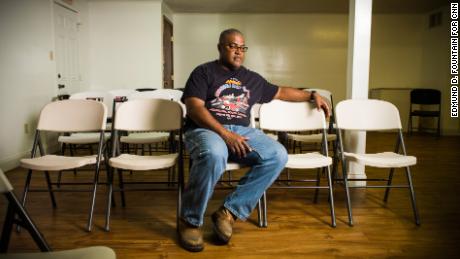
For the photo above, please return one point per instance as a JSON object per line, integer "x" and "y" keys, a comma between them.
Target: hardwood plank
{"x": 298, "y": 228}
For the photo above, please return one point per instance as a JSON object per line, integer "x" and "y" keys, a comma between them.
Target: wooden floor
{"x": 298, "y": 228}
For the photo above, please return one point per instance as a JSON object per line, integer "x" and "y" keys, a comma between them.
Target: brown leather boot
{"x": 190, "y": 237}
{"x": 223, "y": 221}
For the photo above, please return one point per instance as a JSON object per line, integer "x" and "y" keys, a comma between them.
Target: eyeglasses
{"x": 234, "y": 47}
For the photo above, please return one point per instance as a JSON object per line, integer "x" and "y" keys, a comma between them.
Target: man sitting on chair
{"x": 218, "y": 96}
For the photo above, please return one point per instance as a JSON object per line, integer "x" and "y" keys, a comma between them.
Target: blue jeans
{"x": 210, "y": 154}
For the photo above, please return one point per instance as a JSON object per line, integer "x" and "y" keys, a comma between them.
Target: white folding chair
{"x": 149, "y": 138}
{"x": 67, "y": 116}
{"x": 16, "y": 214}
{"x": 299, "y": 139}
{"x": 73, "y": 140}
{"x": 87, "y": 138}
{"x": 281, "y": 116}
{"x": 374, "y": 115}
{"x": 145, "y": 115}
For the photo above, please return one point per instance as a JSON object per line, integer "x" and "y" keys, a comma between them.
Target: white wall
{"x": 166, "y": 11}
{"x": 305, "y": 50}
{"x": 310, "y": 50}
{"x": 27, "y": 73}
{"x": 125, "y": 46}
{"x": 295, "y": 50}
{"x": 396, "y": 58}
{"x": 407, "y": 54}
{"x": 121, "y": 47}
{"x": 435, "y": 68}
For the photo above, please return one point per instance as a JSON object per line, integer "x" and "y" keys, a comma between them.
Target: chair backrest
{"x": 166, "y": 94}
{"x": 280, "y": 115}
{"x": 101, "y": 96}
{"x": 73, "y": 116}
{"x": 122, "y": 92}
{"x": 327, "y": 95}
{"x": 5, "y": 185}
{"x": 255, "y": 115}
{"x": 149, "y": 115}
{"x": 367, "y": 115}
{"x": 324, "y": 93}
{"x": 425, "y": 96}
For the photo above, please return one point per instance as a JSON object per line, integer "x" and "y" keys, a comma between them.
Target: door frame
{"x": 166, "y": 80}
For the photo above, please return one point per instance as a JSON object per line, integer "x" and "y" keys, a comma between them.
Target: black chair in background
{"x": 425, "y": 97}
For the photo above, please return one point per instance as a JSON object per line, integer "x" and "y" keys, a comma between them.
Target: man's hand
{"x": 201, "y": 116}
{"x": 236, "y": 143}
{"x": 290, "y": 94}
{"x": 322, "y": 104}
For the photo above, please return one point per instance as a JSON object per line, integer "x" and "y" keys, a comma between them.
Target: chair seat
{"x": 425, "y": 113}
{"x": 82, "y": 138}
{"x": 57, "y": 163}
{"x": 145, "y": 137}
{"x": 311, "y": 138}
{"x": 307, "y": 161}
{"x": 234, "y": 166}
{"x": 95, "y": 252}
{"x": 134, "y": 162}
{"x": 385, "y": 159}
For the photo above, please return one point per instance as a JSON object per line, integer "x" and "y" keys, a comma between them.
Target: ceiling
{"x": 299, "y": 6}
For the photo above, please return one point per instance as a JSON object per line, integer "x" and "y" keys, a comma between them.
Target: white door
{"x": 66, "y": 50}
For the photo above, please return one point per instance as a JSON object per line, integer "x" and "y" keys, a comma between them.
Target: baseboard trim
{"x": 12, "y": 162}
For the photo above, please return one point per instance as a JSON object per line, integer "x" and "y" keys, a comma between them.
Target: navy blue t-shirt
{"x": 228, "y": 95}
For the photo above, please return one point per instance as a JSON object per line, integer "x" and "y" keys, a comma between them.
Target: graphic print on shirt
{"x": 232, "y": 100}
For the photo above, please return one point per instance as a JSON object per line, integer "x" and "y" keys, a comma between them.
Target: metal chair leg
{"x": 50, "y": 189}
{"x": 259, "y": 213}
{"x": 331, "y": 197}
{"x": 264, "y": 199}
{"x": 387, "y": 191}
{"x": 121, "y": 185}
{"x": 412, "y": 194}
{"x": 24, "y": 194}
{"x": 229, "y": 174}
{"x": 335, "y": 161}
{"x": 72, "y": 149}
{"x": 439, "y": 126}
{"x": 173, "y": 175}
{"x": 59, "y": 179}
{"x": 318, "y": 180}
{"x": 14, "y": 208}
{"x": 288, "y": 177}
{"x": 93, "y": 201}
{"x": 7, "y": 228}
{"x": 109, "y": 198}
{"x": 60, "y": 172}
{"x": 347, "y": 193}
